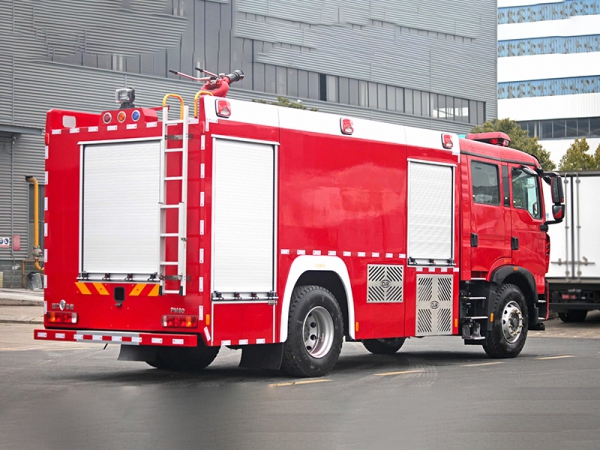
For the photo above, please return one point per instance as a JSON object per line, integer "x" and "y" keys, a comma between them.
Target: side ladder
{"x": 167, "y": 203}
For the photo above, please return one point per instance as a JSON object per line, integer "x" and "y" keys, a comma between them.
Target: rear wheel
{"x": 509, "y": 329}
{"x": 387, "y": 346}
{"x": 573, "y": 315}
{"x": 315, "y": 333}
{"x": 184, "y": 358}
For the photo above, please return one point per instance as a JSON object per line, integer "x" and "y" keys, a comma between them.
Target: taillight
{"x": 180, "y": 321}
{"x": 61, "y": 317}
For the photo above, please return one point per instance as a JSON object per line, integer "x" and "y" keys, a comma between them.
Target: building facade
{"x": 421, "y": 63}
{"x": 549, "y": 70}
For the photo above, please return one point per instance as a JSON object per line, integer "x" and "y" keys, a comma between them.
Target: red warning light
{"x": 223, "y": 108}
{"x": 346, "y": 126}
{"x": 447, "y": 141}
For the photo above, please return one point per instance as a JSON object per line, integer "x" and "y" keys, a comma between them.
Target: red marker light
{"x": 107, "y": 118}
{"x": 61, "y": 317}
{"x": 176, "y": 321}
{"x": 223, "y": 108}
{"x": 346, "y": 126}
{"x": 447, "y": 141}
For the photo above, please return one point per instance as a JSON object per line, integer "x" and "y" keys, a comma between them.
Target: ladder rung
{"x": 169, "y": 206}
{"x": 476, "y": 317}
{"x": 173, "y": 150}
{"x": 169, "y": 235}
{"x": 474, "y": 298}
{"x": 169, "y": 263}
{"x": 170, "y": 292}
{"x": 173, "y": 178}
{"x": 174, "y": 122}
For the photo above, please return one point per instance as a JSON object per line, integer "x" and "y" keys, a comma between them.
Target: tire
{"x": 315, "y": 333}
{"x": 573, "y": 315}
{"x": 509, "y": 330}
{"x": 184, "y": 359}
{"x": 383, "y": 346}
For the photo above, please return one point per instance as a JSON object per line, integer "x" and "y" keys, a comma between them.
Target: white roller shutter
{"x": 243, "y": 217}
{"x": 120, "y": 212}
{"x": 430, "y": 212}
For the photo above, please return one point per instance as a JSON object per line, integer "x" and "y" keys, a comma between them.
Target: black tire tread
{"x": 383, "y": 346}
{"x": 290, "y": 363}
{"x": 573, "y": 315}
{"x": 493, "y": 345}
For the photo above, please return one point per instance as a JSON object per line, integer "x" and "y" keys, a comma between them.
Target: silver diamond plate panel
{"x": 385, "y": 283}
{"x": 434, "y": 304}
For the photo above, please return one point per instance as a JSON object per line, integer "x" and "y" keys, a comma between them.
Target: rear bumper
{"x": 117, "y": 337}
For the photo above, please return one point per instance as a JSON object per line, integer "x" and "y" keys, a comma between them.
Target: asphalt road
{"x": 435, "y": 393}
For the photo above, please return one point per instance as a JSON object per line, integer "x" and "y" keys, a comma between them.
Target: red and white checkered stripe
{"x": 107, "y": 337}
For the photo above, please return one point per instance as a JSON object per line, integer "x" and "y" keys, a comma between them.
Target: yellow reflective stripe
{"x": 100, "y": 288}
{"x": 137, "y": 290}
{"x": 82, "y": 288}
{"x": 154, "y": 291}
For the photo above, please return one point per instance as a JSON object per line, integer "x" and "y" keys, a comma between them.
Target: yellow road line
{"x": 556, "y": 357}
{"x": 404, "y": 372}
{"x": 292, "y": 383}
{"x": 482, "y": 364}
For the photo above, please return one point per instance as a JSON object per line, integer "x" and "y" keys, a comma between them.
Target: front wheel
{"x": 573, "y": 315}
{"x": 509, "y": 329}
{"x": 387, "y": 346}
{"x": 315, "y": 333}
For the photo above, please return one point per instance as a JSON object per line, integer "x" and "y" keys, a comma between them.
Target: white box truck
{"x": 574, "y": 273}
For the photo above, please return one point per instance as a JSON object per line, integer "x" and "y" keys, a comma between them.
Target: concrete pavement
{"x": 21, "y": 306}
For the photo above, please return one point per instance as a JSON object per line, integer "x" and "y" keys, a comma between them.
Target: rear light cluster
{"x": 569, "y": 296}
{"x": 61, "y": 317}
{"x": 179, "y": 321}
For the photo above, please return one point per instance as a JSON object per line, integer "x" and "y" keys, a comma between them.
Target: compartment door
{"x": 243, "y": 249}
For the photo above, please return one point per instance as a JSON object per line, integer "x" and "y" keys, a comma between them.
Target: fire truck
{"x": 173, "y": 231}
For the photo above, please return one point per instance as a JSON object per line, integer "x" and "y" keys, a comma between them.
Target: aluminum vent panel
{"x": 434, "y": 304}
{"x": 385, "y": 283}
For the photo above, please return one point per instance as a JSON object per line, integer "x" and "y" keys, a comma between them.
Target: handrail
{"x": 197, "y": 101}
{"x": 180, "y": 102}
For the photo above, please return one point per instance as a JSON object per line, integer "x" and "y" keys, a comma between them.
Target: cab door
{"x": 528, "y": 241}
{"x": 490, "y": 218}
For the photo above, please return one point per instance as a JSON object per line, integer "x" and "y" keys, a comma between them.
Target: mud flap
{"x": 267, "y": 356}
{"x": 137, "y": 353}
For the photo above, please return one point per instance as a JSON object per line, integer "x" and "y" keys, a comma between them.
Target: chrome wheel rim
{"x": 512, "y": 322}
{"x": 318, "y": 331}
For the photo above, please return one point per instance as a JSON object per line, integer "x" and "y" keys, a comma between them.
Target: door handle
{"x": 514, "y": 243}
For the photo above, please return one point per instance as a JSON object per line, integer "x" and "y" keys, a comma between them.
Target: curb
{"x": 12, "y": 302}
{"x": 17, "y": 321}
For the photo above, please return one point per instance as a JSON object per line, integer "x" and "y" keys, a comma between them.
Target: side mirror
{"x": 558, "y": 211}
{"x": 556, "y": 187}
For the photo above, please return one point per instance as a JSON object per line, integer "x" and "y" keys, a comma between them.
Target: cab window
{"x": 486, "y": 187}
{"x": 526, "y": 193}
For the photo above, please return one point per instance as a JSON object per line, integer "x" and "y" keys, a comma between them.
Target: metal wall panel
{"x": 72, "y": 55}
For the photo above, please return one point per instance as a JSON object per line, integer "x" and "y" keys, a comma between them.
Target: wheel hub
{"x": 512, "y": 322}
{"x": 318, "y": 332}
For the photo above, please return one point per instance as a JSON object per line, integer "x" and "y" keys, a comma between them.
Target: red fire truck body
{"x": 282, "y": 232}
